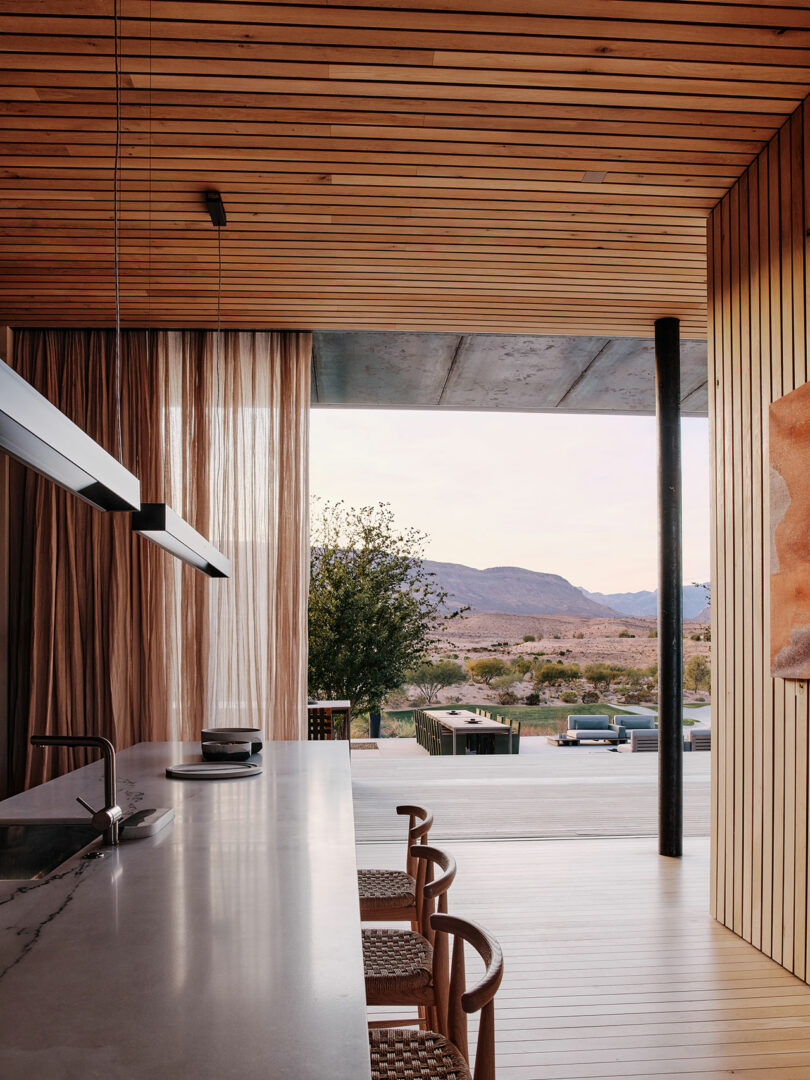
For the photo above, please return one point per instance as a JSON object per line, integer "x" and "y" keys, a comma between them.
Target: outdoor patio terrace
{"x": 544, "y": 792}
{"x": 613, "y": 965}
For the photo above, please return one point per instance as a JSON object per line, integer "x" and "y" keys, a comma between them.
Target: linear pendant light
{"x": 159, "y": 523}
{"x": 36, "y": 433}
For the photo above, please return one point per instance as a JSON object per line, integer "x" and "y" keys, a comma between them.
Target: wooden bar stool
{"x": 390, "y": 895}
{"x": 405, "y": 1054}
{"x": 409, "y": 967}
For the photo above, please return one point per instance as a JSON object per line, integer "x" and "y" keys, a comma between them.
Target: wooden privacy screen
{"x": 542, "y": 167}
{"x": 758, "y": 351}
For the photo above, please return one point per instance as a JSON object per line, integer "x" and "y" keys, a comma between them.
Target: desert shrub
{"x": 522, "y": 665}
{"x": 590, "y": 697}
{"x": 697, "y": 675}
{"x": 487, "y": 669}
{"x": 625, "y": 633}
{"x": 578, "y": 635}
{"x": 533, "y": 698}
{"x": 569, "y": 697}
{"x": 507, "y": 697}
{"x": 529, "y": 637}
{"x": 556, "y": 637}
{"x": 652, "y": 633}
{"x": 598, "y": 674}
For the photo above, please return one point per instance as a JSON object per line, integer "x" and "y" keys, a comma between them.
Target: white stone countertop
{"x": 227, "y": 945}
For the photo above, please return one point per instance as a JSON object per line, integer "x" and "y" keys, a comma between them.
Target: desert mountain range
{"x": 517, "y": 591}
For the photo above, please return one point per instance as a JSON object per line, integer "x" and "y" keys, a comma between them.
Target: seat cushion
{"x": 581, "y": 734}
{"x": 382, "y": 889}
{"x": 636, "y": 723}
{"x": 403, "y": 1054}
{"x": 395, "y": 961}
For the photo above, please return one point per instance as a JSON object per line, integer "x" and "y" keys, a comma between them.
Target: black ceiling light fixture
{"x": 36, "y": 433}
{"x": 216, "y": 208}
{"x": 159, "y": 523}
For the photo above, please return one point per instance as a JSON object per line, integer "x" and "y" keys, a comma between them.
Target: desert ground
{"x": 574, "y": 640}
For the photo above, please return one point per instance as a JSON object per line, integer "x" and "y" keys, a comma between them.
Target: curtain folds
{"x": 108, "y": 633}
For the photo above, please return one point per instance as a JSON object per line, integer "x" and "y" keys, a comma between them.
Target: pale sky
{"x": 563, "y": 494}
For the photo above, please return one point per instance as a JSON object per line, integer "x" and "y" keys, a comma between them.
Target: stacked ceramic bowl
{"x": 230, "y": 744}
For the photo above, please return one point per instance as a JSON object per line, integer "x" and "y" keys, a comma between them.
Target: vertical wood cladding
{"x": 758, "y": 350}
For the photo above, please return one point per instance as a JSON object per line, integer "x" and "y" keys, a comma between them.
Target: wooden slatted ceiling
{"x": 544, "y": 169}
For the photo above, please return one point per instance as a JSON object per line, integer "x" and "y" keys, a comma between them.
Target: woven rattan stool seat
{"x": 401, "y": 1054}
{"x": 381, "y": 889}
{"x": 395, "y": 961}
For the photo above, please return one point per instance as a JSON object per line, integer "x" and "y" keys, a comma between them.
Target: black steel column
{"x": 670, "y": 582}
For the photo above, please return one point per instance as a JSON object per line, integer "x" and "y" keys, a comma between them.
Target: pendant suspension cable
{"x": 149, "y": 210}
{"x": 219, "y": 278}
{"x": 219, "y": 415}
{"x": 115, "y": 228}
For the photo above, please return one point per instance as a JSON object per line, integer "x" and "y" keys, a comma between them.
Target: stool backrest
{"x": 431, "y": 892}
{"x": 460, "y": 1000}
{"x": 420, "y": 822}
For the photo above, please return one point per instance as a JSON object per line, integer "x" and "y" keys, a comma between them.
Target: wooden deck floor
{"x": 614, "y": 968}
{"x": 613, "y": 965}
{"x": 563, "y": 793}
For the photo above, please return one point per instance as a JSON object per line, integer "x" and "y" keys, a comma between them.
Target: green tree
{"x": 697, "y": 674}
{"x": 487, "y": 669}
{"x": 372, "y": 605}
{"x": 430, "y": 678}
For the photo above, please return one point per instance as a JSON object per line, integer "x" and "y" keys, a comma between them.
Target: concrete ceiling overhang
{"x": 512, "y": 372}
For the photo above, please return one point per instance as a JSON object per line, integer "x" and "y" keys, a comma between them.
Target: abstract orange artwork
{"x": 790, "y": 535}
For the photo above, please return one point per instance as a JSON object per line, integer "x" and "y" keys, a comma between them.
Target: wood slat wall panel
{"x": 757, "y": 352}
{"x": 527, "y": 166}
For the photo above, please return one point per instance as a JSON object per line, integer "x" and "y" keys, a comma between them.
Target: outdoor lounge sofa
{"x": 625, "y": 724}
{"x": 595, "y": 728}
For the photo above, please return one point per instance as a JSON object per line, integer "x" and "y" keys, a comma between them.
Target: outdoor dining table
{"x": 469, "y": 723}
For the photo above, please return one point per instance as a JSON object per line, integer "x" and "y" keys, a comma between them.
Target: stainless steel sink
{"x": 32, "y": 850}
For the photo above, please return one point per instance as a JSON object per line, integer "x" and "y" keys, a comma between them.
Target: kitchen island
{"x": 227, "y": 945}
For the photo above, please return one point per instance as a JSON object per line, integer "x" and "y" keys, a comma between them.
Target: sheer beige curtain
{"x": 108, "y": 633}
{"x": 239, "y": 471}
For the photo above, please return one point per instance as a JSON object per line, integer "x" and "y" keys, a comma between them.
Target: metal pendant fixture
{"x": 159, "y": 523}
{"x": 39, "y": 435}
